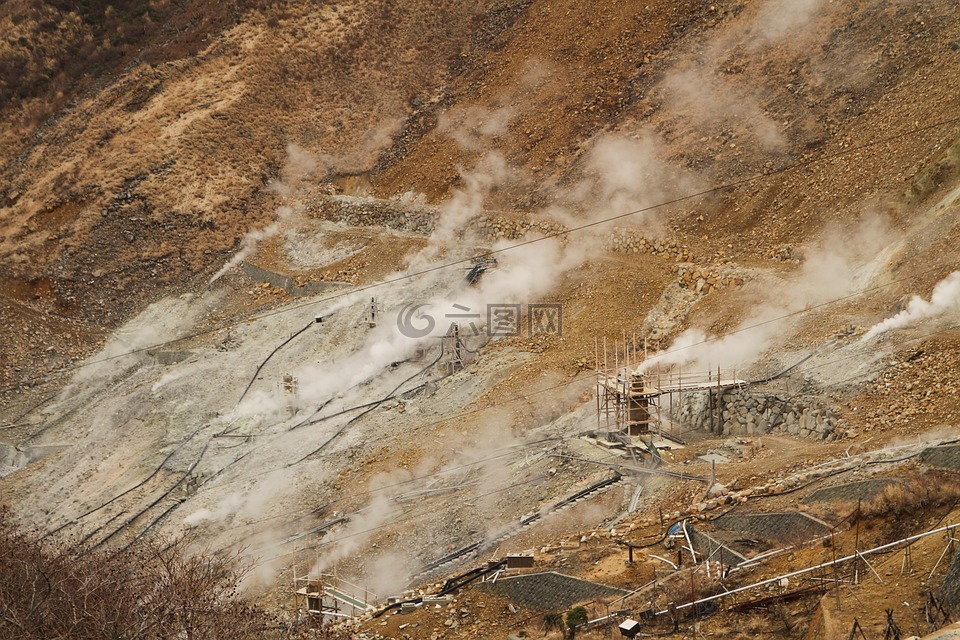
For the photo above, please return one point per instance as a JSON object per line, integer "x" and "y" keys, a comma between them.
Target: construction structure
{"x": 479, "y": 265}
{"x": 331, "y": 598}
{"x": 638, "y": 395}
{"x": 290, "y": 394}
{"x": 454, "y": 349}
{"x": 372, "y": 314}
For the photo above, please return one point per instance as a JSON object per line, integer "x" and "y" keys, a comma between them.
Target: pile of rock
{"x": 736, "y": 411}
{"x": 634, "y": 241}
{"x": 919, "y": 387}
{"x": 705, "y": 279}
{"x": 786, "y": 253}
{"x": 369, "y": 211}
{"x": 498, "y": 227}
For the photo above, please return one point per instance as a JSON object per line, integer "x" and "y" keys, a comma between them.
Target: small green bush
{"x": 576, "y": 617}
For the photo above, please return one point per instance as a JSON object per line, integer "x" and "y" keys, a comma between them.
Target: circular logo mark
{"x": 409, "y": 316}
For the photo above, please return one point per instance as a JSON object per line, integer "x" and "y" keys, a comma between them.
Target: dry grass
{"x": 918, "y": 490}
{"x": 750, "y": 626}
{"x": 913, "y": 490}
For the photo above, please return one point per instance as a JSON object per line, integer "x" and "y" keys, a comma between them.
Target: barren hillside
{"x": 224, "y": 225}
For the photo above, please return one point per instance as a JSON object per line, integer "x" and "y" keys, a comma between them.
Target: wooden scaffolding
{"x": 637, "y": 395}
{"x": 327, "y": 596}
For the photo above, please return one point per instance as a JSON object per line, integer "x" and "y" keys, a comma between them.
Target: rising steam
{"x": 252, "y": 240}
{"x": 945, "y": 297}
{"x": 844, "y": 263}
{"x": 301, "y": 166}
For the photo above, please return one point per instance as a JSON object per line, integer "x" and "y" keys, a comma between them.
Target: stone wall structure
{"x": 741, "y": 411}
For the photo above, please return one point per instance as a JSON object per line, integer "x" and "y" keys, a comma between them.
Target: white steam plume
{"x": 252, "y": 240}
{"x": 945, "y": 297}
{"x": 706, "y": 98}
{"x": 843, "y": 264}
{"x": 490, "y": 172}
{"x": 783, "y": 19}
{"x": 227, "y": 507}
{"x": 160, "y": 322}
{"x": 715, "y": 104}
{"x": 365, "y": 152}
{"x": 299, "y": 168}
{"x": 364, "y": 524}
{"x": 472, "y": 127}
{"x": 621, "y": 173}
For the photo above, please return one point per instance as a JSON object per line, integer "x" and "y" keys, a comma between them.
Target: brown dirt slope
{"x": 154, "y": 159}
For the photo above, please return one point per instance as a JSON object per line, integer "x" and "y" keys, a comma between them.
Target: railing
{"x": 624, "y": 380}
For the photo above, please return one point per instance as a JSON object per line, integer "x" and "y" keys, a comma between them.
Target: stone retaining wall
{"x": 944, "y": 457}
{"x": 494, "y": 227}
{"x": 950, "y": 591}
{"x": 738, "y": 411}
{"x": 626, "y": 240}
{"x": 775, "y": 528}
{"x": 703, "y": 279}
{"x": 363, "y": 212}
{"x": 865, "y": 490}
{"x": 550, "y": 591}
{"x": 420, "y": 218}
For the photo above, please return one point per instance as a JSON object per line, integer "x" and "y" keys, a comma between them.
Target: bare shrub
{"x": 53, "y": 588}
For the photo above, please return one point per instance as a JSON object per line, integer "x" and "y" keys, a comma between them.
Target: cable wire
{"x": 565, "y": 232}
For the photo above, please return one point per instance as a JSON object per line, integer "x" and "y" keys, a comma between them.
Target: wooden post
{"x": 723, "y": 575}
{"x": 616, "y": 373}
{"x": 907, "y": 565}
{"x": 596, "y": 367}
{"x": 659, "y": 403}
{"x": 679, "y": 394}
{"x": 719, "y": 403}
{"x": 693, "y": 594}
{"x": 856, "y": 547}
{"x": 670, "y": 410}
{"x": 627, "y": 357}
{"x": 836, "y": 570}
{"x": 710, "y": 408}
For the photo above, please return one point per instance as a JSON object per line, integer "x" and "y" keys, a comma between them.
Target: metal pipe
{"x": 693, "y": 552}
{"x": 663, "y": 560}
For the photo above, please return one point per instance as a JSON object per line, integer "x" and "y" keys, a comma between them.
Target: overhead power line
{"x": 565, "y": 232}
